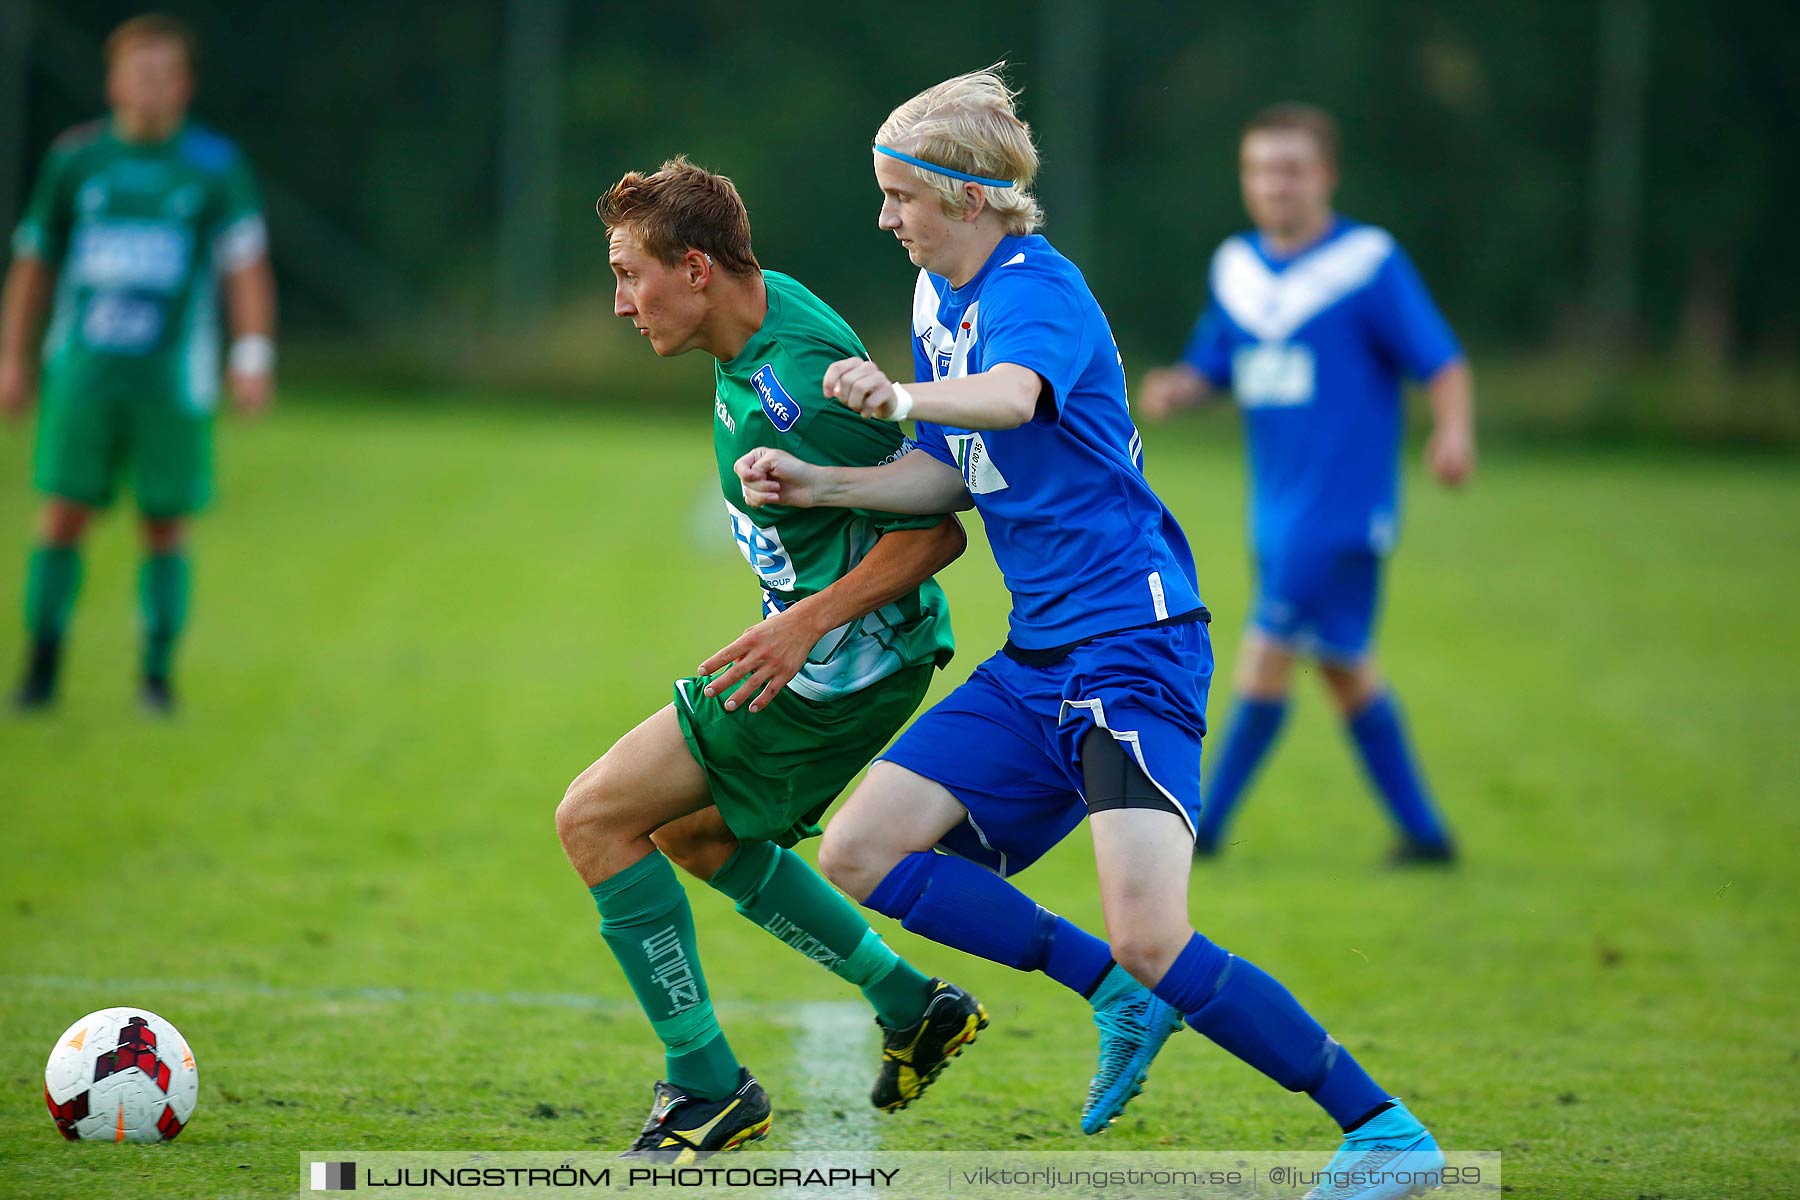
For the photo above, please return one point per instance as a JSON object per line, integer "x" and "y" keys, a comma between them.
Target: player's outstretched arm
{"x": 250, "y": 305}
{"x": 1450, "y": 453}
{"x": 27, "y": 295}
{"x": 1005, "y": 396}
{"x": 913, "y": 483}
{"x": 771, "y": 652}
{"x": 1164, "y": 390}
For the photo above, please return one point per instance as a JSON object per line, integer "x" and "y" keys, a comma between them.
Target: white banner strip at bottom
{"x": 890, "y": 1175}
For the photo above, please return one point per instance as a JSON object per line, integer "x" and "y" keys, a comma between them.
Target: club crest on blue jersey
{"x": 939, "y": 348}
{"x": 782, "y": 408}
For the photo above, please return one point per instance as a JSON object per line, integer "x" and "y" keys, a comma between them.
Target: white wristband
{"x": 252, "y": 354}
{"x": 903, "y": 403}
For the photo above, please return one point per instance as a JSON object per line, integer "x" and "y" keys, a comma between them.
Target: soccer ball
{"x": 121, "y": 1075}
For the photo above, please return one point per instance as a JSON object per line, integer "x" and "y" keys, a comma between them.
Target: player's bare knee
{"x": 698, "y": 850}
{"x": 1146, "y": 935}
{"x": 1265, "y": 668}
{"x": 851, "y": 863}
{"x": 569, "y": 817}
{"x": 1353, "y": 685}
{"x": 64, "y": 522}
{"x": 584, "y": 815}
{"x": 1145, "y": 953}
{"x": 163, "y": 535}
{"x": 837, "y": 859}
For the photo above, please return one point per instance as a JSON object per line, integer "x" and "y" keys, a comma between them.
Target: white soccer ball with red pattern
{"x": 121, "y": 1075}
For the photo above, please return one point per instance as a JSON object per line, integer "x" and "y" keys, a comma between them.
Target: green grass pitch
{"x": 338, "y": 874}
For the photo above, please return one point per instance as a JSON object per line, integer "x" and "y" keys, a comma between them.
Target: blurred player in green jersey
{"x": 774, "y": 726}
{"x": 134, "y": 221}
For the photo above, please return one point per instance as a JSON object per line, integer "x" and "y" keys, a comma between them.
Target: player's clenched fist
{"x": 862, "y": 387}
{"x": 1164, "y": 390}
{"x": 252, "y": 392}
{"x": 773, "y": 476}
{"x": 1450, "y": 455}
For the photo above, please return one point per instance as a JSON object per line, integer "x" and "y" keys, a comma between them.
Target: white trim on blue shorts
{"x": 981, "y": 836}
{"x": 1127, "y": 737}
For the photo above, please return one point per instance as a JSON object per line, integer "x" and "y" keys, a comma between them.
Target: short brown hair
{"x": 1305, "y": 118}
{"x": 680, "y": 208}
{"x": 152, "y": 27}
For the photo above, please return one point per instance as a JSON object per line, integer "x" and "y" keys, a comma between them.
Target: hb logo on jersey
{"x": 762, "y": 549}
{"x": 149, "y": 255}
{"x": 781, "y": 407}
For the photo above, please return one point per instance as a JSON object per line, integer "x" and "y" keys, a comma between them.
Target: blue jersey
{"x": 1315, "y": 347}
{"x": 1084, "y": 545}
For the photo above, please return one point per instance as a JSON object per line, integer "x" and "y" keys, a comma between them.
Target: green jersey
{"x": 772, "y": 394}
{"x": 138, "y": 233}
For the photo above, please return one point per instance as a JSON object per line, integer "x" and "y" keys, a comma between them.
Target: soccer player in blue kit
{"x": 1095, "y": 705}
{"x": 1313, "y": 322}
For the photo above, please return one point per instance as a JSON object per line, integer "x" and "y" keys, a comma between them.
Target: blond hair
{"x": 970, "y": 124}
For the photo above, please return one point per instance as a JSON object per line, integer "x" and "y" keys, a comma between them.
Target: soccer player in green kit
{"x": 131, "y": 223}
{"x": 775, "y": 725}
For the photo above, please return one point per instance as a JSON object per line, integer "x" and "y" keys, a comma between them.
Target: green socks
{"x": 645, "y": 919}
{"x": 52, "y": 578}
{"x": 163, "y": 600}
{"x": 780, "y": 893}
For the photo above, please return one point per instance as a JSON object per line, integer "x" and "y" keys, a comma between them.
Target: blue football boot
{"x": 1133, "y": 1027}
{"x": 1388, "y": 1157}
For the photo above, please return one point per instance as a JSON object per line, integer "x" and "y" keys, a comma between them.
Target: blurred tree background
{"x": 1596, "y": 191}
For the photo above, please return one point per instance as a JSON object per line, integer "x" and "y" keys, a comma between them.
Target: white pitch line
{"x": 835, "y": 1050}
{"x": 784, "y": 1014}
{"x": 836, "y": 1053}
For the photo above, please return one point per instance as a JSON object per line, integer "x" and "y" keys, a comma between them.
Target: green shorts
{"x": 774, "y": 773}
{"x": 93, "y": 430}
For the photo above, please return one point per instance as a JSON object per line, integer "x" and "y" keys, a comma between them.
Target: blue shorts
{"x": 1321, "y": 602}
{"x": 1007, "y": 743}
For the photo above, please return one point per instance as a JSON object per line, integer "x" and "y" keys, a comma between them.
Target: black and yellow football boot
{"x": 913, "y": 1057}
{"x": 682, "y": 1129}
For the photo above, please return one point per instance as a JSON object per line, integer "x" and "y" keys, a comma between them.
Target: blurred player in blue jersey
{"x": 1095, "y": 706}
{"x": 1313, "y": 322}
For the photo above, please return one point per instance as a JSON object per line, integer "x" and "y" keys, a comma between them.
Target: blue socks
{"x": 1380, "y": 737}
{"x": 1254, "y": 725}
{"x": 934, "y": 896}
{"x": 1230, "y": 1000}
{"x": 1379, "y": 734}
{"x": 1247, "y": 1012}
